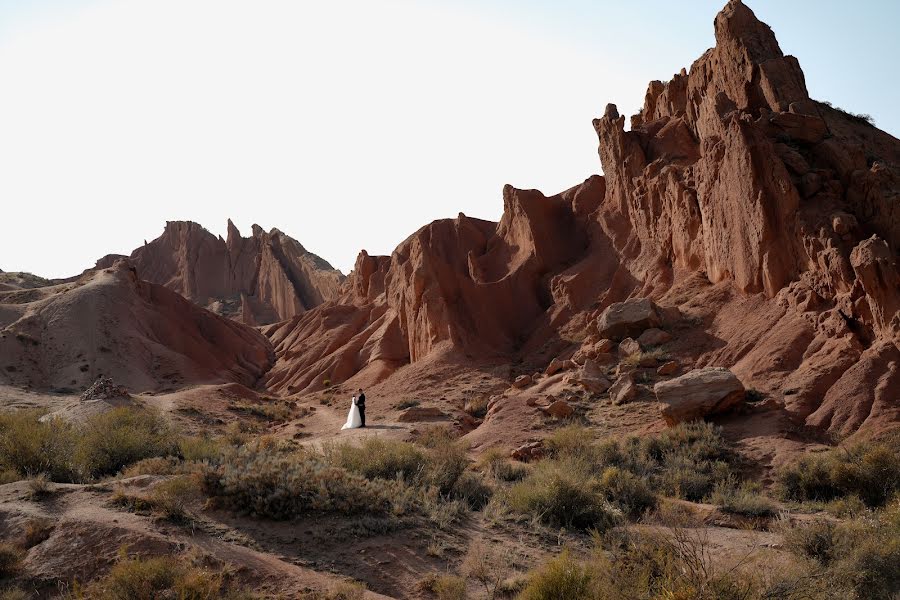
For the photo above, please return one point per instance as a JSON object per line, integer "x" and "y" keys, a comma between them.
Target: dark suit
{"x": 361, "y": 405}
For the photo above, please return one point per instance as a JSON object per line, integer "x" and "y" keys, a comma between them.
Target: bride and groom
{"x": 357, "y": 416}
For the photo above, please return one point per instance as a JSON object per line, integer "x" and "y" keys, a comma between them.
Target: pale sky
{"x": 347, "y": 124}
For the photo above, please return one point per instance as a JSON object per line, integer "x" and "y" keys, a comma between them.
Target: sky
{"x": 347, "y": 124}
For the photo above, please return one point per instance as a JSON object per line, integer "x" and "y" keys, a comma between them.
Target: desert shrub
{"x": 818, "y": 540}
{"x": 575, "y": 441}
{"x": 39, "y": 486}
{"x": 487, "y": 566}
{"x": 110, "y": 441}
{"x": 870, "y": 471}
{"x": 446, "y": 463}
{"x": 343, "y": 591}
{"x": 161, "y": 577}
{"x": 627, "y": 491}
{"x": 496, "y": 463}
{"x": 473, "y": 490}
{"x": 279, "y": 485}
{"x": 847, "y": 507}
{"x": 562, "y": 578}
{"x": 476, "y": 407}
{"x": 435, "y": 436}
{"x": 9, "y": 476}
{"x": 14, "y": 593}
{"x": 377, "y": 458}
{"x": 152, "y": 466}
{"x": 444, "y": 586}
{"x": 29, "y": 446}
{"x": 200, "y": 448}
{"x": 36, "y": 531}
{"x": 563, "y": 493}
{"x": 10, "y": 557}
{"x": 171, "y": 498}
{"x": 743, "y": 499}
{"x": 404, "y": 404}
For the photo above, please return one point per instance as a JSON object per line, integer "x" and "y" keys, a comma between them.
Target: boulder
{"x": 698, "y": 393}
{"x": 559, "y": 409}
{"x": 421, "y": 413}
{"x": 667, "y": 368}
{"x": 654, "y": 337}
{"x": 629, "y": 318}
{"x": 556, "y": 365}
{"x": 591, "y": 377}
{"x": 628, "y": 346}
{"x": 624, "y": 389}
{"x": 522, "y": 382}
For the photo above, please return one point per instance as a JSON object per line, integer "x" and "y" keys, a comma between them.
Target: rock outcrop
{"x": 266, "y": 278}
{"x": 733, "y": 194}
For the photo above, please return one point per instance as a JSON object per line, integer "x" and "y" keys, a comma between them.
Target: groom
{"x": 361, "y": 405}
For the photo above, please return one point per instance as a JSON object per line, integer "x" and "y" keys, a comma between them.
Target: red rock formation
{"x": 265, "y": 278}
{"x": 111, "y": 323}
{"x": 733, "y": 195}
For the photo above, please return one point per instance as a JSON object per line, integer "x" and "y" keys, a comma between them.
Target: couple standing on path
{"x": 357, "y": 416}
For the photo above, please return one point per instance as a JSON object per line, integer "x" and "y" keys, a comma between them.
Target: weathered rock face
{"x": 262, "y": 279}
{"x": 697, "y": 394}
{"x": 731, "y": 179}
{"x": 110, "y": 323}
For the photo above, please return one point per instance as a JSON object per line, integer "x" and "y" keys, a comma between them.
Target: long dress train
{"x": 353, "y": 418}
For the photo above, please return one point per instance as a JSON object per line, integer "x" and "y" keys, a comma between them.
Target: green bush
{"x": 743, "y": 499}
{"x": 563, "y": 493}
{"x": 115, "y": 439}
{"x": 103, "y": 445}
{"x": 378, "y": 458}
{"x": 563, "y": 578}
{"x": 30, "y": 447}
{"x": 870, "y": 471}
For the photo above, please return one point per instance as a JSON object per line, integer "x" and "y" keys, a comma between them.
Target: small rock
{"x": 556, "y": 365}
{"x": 667, "y": 368}
{"x": 559, "y": 409}
{"x": 623, "y": 390}
{"x": 628, "y": 346}
{"x": 654, "y": 337}
{"x": 647, "y": 362}
{"x": 421, "y": 413}
{"x": 522, "y": 382}
{"x": 529, "y": 452}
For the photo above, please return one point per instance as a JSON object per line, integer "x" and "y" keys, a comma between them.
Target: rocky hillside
{"x": 766, "y": 219}
{"x": 111, "y": 323}
{"x": 265, "y": 278}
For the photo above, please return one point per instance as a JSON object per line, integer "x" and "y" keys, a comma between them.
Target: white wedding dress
{"x": 353, "y": 420}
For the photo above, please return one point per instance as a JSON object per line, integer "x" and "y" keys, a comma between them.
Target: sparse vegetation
{"x": 496, "y": 463}
{"x": 561, "y": 578}
{"x": 10, "y": 557}
{"x": 37, "y": 530}
{"x": 477, "y": 406}
{"x": 863, "y": 118}
{"x": 745, "y": 499}
{"x": 868, "y": 471}
{"x": 161, "y": 577}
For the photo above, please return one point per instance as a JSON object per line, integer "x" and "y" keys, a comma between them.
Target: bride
{"x": 353, "y": 420}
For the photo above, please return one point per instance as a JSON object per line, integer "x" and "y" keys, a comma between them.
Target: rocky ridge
{"x": 765, "y": 218}
{"x": 262, "y": 279}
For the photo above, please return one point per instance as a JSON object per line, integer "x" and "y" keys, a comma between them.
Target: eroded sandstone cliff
{"x": 733, "y": 195}
{"x": 265, "y": 278}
